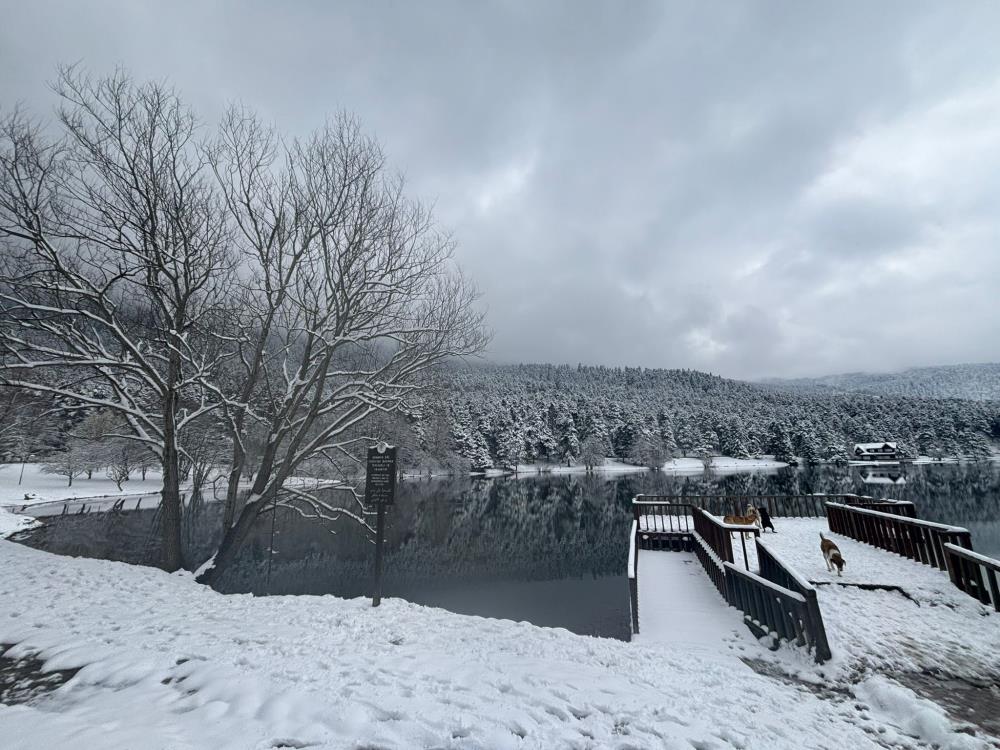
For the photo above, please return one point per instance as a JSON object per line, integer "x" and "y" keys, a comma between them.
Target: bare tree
{"x": 286, "y": 292}
{"x": 114, "y": 247}
{"x": 648, "y": 451}
{"x": 27, "y": 425}
{"x": 350, "y": 297}
{"x": 592, "y": 452}
{"x": 66, "y": 463}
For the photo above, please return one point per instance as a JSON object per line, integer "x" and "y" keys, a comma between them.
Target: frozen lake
{"x": 547, "y": 549}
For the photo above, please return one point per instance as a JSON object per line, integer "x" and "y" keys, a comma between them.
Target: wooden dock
{"x": 762, "y": 579}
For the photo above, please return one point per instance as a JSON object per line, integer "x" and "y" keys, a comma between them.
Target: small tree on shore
{"x": 66, "y": 463}
{"x": 592, "y": 452}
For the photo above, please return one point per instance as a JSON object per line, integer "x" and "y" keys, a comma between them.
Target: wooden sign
{"x": 380, "y": 475}
{"x": 380, "y": 489}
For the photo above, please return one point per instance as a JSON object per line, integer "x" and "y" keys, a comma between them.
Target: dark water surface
{"x": 548, "y": 549}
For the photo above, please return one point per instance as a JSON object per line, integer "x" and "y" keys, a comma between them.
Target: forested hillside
{"x": 978, "y": 382}
{"x": 500, "y": 416}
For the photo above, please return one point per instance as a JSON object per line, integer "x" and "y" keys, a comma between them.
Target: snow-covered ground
{"x": 34, "y": 487}
{"x": 721, "y": 464}
{"x": 40, "y": 487}
{"x": 12, "y": 522}
{"x": 166, "y": 663}
{"x": 610, "y": 466}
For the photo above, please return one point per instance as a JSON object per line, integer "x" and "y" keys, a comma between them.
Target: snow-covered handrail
{"x": 789, "y": 506}
{"x": 712, "y": 556}
{"x": 973, "y": 573}
{"x": 892, "y": 516}
{"x": 916, "y": 539}
{"x": 780, "y": 590}
{"x": 968, "y": 554}
{"x": 637, "y": 501}
{"x": 738, "y": 527}
{"x": 769, "y": 609}
{"x": 785, "y": 569}
{"x": 631, "y": 549}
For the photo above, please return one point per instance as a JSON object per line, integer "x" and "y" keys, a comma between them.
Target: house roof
{"x": 874, "y": 446}
{"x": 872, "y": 479}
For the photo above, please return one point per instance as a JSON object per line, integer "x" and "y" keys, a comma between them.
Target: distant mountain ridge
{"x": 976, "y": 382}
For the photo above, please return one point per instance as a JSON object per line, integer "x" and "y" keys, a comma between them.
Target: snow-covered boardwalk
{"x": 921, "y": 620}
{"x": 890, "y": 621}
{"x": 678, "y": 605}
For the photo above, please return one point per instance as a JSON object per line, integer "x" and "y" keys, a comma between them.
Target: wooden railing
{"x": 633, "y": 575}
{"x": 660, "y": 516}
{"x": 718, "y": 535}
{"x": 769, "y": 609}
{"x": 974, "y": 574}
{"x": 86, "y": 505}
{"x": 789, "y": 506}
{"x": 714, "y": 566}
{"x": 910, "y": 537}
{"x": 805, "y": 621}
{"x": 893, "y": 507}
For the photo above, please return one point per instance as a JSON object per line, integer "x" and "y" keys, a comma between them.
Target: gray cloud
{"x": 755, "y": 188}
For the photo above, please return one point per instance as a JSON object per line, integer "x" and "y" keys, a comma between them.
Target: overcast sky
{"x": 754, "y": 189}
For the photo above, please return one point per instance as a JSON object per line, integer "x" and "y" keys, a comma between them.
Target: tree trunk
{"x": 232, "y": 540}
{"x": 171, "y": 511}
{"x": 171, "y": 495}
{"x": 233, "y": 486}
{"x": 234, "y": 535}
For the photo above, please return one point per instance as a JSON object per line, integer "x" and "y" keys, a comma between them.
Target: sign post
{"x": 380, "y": 488}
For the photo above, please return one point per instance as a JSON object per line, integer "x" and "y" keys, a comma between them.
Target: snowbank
{"x": 11, "y": 522}
{"x": 167, "y": 663}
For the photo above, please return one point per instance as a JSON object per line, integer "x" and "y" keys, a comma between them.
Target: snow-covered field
{"x": 34, "y": 487}
{"x": 166, "y": 663}
{"x": 610, "y": 466}
{"x": 721, "y": 464}
{"x": 40, "y": 487}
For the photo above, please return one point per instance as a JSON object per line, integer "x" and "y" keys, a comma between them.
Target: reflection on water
{"x": 546, "y": 549}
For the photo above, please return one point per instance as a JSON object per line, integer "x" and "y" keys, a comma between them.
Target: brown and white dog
{"x": 831, "y": 553}
{"x": 751, "y": 518}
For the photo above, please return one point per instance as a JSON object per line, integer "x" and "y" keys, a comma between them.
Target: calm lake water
{"x": 548, "y": 549}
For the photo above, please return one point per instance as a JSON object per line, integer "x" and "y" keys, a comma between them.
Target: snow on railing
{"x": 973, "y": 573}
{"x": 895, "y": 516}
{"x": 800, "y": 583}
{"x": 760, "y": 580}
{"x": 633, "y": 575}
{"x": 914, "y": 538}
{"x": 768, "y": 607}
{"x": 631, "y": 549}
